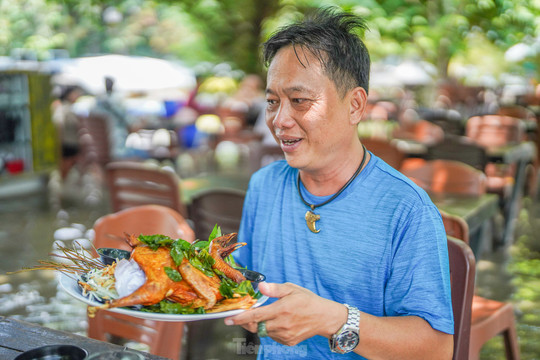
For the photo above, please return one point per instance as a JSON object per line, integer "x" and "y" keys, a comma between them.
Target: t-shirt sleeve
{"x": 419, "y": 282}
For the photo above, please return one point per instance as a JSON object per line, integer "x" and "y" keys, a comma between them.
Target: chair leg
{"x": 494, "y": 319}
{"x": 511, "y": 345}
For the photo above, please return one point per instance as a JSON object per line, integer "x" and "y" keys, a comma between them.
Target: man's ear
{"x": 358, "y": 104}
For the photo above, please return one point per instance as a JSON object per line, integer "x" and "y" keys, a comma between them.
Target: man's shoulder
{"x": 393, "y": 182}
{"x": 271, "y": 174}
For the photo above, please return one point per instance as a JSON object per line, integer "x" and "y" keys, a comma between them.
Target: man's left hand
{"x": 298, "y": 314}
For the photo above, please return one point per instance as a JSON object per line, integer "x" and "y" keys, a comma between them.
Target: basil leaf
{"x": 197, "y": 263}
{"x": 216, "y": 232}
{"x": 173, "y": 274}
{"x": 155, "y": 241}
{"x": 200, "y": 245}
{"x": 177, "y": 250}
{"x": 206, "y": 259}
{"x": 226, "y": 289}
{"x": 168, "y": 307}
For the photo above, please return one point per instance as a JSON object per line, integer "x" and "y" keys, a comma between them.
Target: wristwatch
{"x": 347, "y": 338}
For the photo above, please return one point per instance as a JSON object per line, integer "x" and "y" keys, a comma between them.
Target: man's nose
{"x": 283, "y": 117}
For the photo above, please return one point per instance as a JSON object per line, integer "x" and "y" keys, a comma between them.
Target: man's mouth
{"x": 289, "y": 142}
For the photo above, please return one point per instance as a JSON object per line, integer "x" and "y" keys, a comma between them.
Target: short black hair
{"x": 331, "y": 36}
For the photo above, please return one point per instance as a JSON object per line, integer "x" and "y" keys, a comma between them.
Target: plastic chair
{"x": 264, "y": 155}
{"x": 447, "y": 177}
{"x": 462, "y": 273}
{"x": 489, "y": 318}
{"x": 495, "y": 130}
{"x": 163, "y": 338}
{"x": 386, "y": 151}
{"x": 216, "y": 206}
{"x": 455, "y": 226}
{"x": 421, "y": 131}
{"x": 517, "y": 111}
{"x": 459, "y": 148}
{"x": 94, "y": 140}
{"x": 132, "y": 184}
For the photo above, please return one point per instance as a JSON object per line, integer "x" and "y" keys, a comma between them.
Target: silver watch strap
{"x": 353, "y": 318}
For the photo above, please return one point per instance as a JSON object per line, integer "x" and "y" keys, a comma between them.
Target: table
{"x": 476, "y": 211}
{"x": 521, "y": 155}
{"x": 18, "y": 336}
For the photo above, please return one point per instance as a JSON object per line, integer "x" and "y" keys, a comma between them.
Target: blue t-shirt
{"x": 381, "y": 247}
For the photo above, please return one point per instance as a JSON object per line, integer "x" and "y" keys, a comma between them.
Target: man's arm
{"x": 300, "y": 314}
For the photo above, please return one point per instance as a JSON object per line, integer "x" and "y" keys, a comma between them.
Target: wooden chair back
{"x": 459, "y": 148}
{"x": 264, "y": 155}
{"x": 448, "y": 177}
{"x": 422, "y": 131}
{"x": 94, "y": 139}
{"x": 495, "y": 130}
{"x": 163, "y": 338}
{"x": 487, "y": 318}
{"x": 132, "y": 184}
{"x": 216, "y": 206}
{"x": 517, "y": 111}
{"x": 462, "y": 274}
{"x": 386, "y": 150}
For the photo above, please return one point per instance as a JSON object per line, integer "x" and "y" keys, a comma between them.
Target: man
{"x": 334, "y": 224}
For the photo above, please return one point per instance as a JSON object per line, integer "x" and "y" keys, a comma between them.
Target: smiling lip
{"x": 288, "y": 145}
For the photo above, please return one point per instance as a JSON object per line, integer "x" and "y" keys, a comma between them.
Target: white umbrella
{"x": 131, "y": 74}
{"x": 413, "y": 73}
{"x": 518, "y": 52}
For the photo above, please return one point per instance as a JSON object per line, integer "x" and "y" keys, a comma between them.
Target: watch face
{"x": 348, "y": 340}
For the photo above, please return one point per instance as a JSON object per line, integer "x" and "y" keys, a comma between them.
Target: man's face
{"x": 305, "y": 113}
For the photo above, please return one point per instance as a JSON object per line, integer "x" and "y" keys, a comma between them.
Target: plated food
{"x": 165, "y": 276}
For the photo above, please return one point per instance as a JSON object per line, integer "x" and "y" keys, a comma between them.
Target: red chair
{"x": 421, "y": 131}
{"x": 455, "y": 226}
{"x": 163, "y": 338}
{"x": 386, "y": 151}
{"x": 495, "y": 130}
{"x": 489, "y": 318}
{"x": 447, "y": 177}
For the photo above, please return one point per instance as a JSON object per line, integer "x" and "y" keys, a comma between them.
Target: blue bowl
{"x": 110, "y": 255}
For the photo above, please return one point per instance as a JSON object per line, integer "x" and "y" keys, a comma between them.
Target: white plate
{"x": 72, "y": 288}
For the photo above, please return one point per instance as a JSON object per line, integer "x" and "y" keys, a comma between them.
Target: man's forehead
{"x": 290, "y": 89}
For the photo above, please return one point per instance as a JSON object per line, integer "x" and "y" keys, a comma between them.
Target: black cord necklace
{"x": 311, "y": 217}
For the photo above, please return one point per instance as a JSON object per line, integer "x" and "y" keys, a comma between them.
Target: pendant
{"x": 311, "y": 218}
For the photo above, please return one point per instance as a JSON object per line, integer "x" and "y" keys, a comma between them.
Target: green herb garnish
{"x": 173, "y": 274}
{"x": 155, "y": 241}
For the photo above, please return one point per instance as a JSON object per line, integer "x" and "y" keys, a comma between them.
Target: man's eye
{"x": 299, "y": 100}
{"x": 271, "y": 101}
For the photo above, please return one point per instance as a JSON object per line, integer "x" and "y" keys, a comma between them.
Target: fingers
{"x": 276, "y": 290}
{"x": 250, "y": 317}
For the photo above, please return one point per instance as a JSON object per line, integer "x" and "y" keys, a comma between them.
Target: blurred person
{"x": 67, "y": 125}
{"x": 111, "y": 106}
{"x": 251, "y": 93}
{"x": 355, "y": 254}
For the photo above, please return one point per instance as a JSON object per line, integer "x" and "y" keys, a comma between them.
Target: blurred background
{"x": 182, "y": 86}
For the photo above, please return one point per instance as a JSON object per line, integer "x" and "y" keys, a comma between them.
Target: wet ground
{"x": 30, "y": 226}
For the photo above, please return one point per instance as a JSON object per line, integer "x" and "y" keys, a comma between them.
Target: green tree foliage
{"x": 232, "y": 30}
{"x": 437, "y": 30}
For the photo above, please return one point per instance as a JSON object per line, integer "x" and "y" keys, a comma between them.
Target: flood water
{"x": 29, "y": 227}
